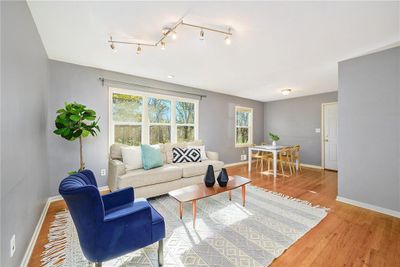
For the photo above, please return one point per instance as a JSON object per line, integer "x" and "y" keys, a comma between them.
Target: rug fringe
{"x": 305, "y": 202}
{"x": 54, "y": 251}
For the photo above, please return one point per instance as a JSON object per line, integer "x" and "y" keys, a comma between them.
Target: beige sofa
{"x": 159, "y": 181}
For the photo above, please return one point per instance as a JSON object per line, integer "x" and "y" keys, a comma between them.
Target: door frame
{"x": 323, "y": 131}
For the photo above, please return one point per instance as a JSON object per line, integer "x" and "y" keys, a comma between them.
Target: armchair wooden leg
{"x": 161, "y": 252}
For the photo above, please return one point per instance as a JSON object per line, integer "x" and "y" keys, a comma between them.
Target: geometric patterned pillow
{"x": 181, "y": 155}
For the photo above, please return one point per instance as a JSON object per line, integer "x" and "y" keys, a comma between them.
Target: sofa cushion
{"x": 115, "y": 151}
{"x": 151, "y": 156}
{"x": 132, "y": 157}
{"x": 141, "y": 177}
{"x": 191, "y": 169}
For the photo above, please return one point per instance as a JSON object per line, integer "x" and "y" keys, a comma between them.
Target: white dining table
{"x": 269, "y": 148}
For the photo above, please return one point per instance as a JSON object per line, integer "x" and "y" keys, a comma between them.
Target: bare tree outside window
{"x": 243, "y": 125}
{"x": 127, "y": 113}
{"x": 185, "y": 121}
{"x": 160, "y": 119}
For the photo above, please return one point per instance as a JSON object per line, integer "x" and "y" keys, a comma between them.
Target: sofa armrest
{"x": 116, "y": 168}
{"x": 118, "y": 198}
{"x": 212, "y": 155}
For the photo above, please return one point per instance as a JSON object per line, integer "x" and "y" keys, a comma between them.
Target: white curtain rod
{"x": 104, "y": 80}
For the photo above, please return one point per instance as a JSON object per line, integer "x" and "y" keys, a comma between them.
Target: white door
{"x": 330, "y": 113}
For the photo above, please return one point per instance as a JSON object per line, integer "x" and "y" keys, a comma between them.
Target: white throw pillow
{"x": 202, "y": 151}
{"x": 132, "y": 157}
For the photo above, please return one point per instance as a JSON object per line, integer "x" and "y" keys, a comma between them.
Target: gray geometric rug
{"x": 226, "y": 234}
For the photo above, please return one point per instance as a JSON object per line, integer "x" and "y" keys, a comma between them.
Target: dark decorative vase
{"x": 209, "y": 179}
{"x": 223, "y": 178}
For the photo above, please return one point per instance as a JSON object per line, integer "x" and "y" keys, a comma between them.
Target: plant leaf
{"x": 75, "y": 118}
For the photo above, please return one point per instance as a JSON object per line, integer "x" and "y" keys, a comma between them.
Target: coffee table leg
{"x": 230, "y": 195}
{"x": 194, "y": 213}
{"x": 180, "y": 210}
{"x": 243, "y": 194}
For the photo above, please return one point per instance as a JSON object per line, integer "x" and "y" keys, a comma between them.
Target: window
{"x": 127, "y": 118}
{"x": 243, "y": 126}
{"x": 159, "y": 120}
{"x": 140, "y": 118}
{"x": 185, "y": 121}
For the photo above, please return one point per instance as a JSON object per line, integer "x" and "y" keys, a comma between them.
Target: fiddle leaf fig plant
{"x": 75, "y": 121}
{"x": 274, "y": 137}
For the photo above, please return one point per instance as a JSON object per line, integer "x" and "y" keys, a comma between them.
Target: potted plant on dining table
{"x": 274, "y": 138}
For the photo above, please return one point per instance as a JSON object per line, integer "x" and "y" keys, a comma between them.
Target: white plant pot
{"x": 273, "y": 143}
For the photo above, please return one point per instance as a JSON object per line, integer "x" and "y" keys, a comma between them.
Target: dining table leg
{"x": 230, "y": 195}
{"x": 249, "y": 159}
{"x": 275, "y": 155}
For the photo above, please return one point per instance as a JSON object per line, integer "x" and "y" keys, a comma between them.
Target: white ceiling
{"x": 275, "y": 45}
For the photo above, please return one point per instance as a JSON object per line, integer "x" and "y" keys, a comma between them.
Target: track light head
{"x": 162, "y": 45}
{"x": 286, "y": 91}
{"x": 228, "y": 40}
{"x": 112, "y": 45}
{"x": 138, "y": 50}
{"x": 173, "y": 36}
{"x": 202, "y": 34}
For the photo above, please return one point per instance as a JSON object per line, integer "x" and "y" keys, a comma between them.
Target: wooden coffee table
{"x": 198, "y": 191}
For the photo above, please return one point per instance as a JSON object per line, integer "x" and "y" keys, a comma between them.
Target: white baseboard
{"x": 311, "y": 166}
{"x": 29, "y": 250}
{"x": 369, "y": 206}
{"x": 31, "y": 245}
{"x": 235, "y": 164}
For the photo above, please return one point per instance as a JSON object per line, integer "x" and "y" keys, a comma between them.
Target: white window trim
{"x": 145, "y": 117}
{"x": 250, "y": 126}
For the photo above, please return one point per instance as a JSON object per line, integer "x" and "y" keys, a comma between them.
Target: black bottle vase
{"x": 209, "y": 179}
{"x": 223, "y": 178}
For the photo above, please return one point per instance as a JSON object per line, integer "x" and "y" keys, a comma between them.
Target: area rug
{"x": 226, "y": 234}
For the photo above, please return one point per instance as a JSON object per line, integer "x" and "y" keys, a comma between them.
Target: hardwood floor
{"x": 348, "y": 236}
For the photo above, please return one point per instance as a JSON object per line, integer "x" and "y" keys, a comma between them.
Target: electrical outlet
{"x": 317, "y": 130}
{"x": 243, "y": 157}
{"x": 12, "y": 246}
{"x": 103, "y": 172}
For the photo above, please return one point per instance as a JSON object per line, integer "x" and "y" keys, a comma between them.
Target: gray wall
{"x": 71, "y": 82}
{"x": 24, "y": 85}
{"x": 295, "y": 121}
{"x": 369, "y": 129}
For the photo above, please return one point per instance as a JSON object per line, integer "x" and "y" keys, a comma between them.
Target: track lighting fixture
{"x": 202, "y": 34}
{"x": 227, "y": 40}
{"x": 112, "y": 45}
{"x": 171, "y": 32}
{"x": 173, "y": 36}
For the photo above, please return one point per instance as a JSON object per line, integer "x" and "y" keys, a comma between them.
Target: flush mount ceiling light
{"x": 171, "y": 32}
{"x": 286, "y": 91}
{"x": 170, "y": 76}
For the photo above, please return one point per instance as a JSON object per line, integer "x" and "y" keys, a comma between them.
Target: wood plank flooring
{"x": 348, "y": 236}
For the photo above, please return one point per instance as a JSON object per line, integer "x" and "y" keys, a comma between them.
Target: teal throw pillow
{"x": 151, "y": 157}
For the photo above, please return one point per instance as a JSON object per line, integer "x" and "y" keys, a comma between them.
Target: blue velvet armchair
{"x": 110, "y": 225}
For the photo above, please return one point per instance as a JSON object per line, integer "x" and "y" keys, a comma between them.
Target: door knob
{"x": 326, "y": 140}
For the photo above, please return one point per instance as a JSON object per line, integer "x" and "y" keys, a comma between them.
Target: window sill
{"x": 242, "y": 145}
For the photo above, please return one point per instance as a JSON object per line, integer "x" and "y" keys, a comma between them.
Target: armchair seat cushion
{"x": 141, "y": 177}
{"x": 191, "y": 169}
{"x": 158, "y": 225}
